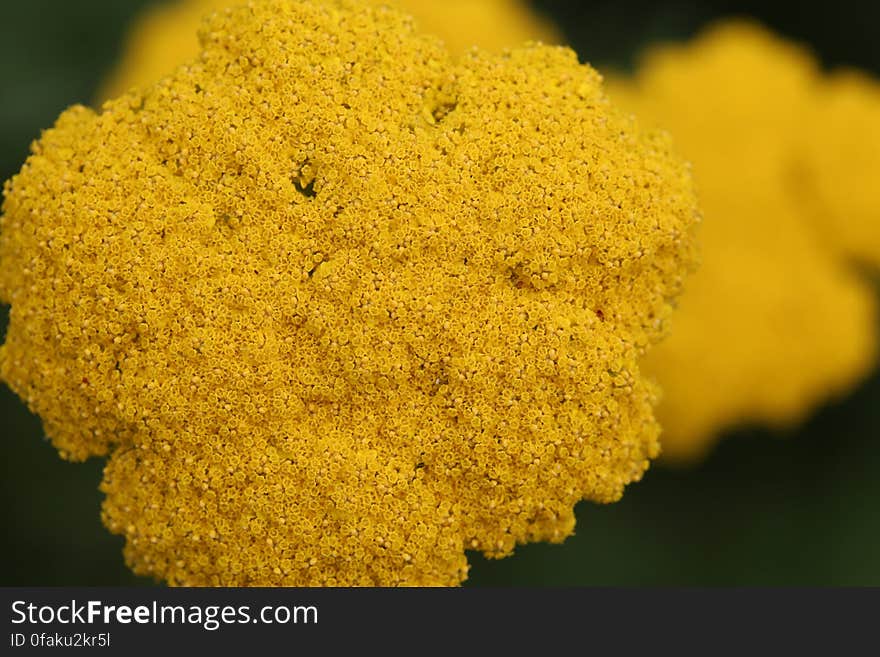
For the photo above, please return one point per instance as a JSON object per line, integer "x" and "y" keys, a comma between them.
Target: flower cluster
{"x": 840, "y": 163}
{"x": 337, "y": 320}
{"x": 776, "y": 321}
{"x": 165, "y": 35}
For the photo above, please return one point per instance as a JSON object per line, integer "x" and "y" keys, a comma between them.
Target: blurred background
{"x": 797, "y": 508}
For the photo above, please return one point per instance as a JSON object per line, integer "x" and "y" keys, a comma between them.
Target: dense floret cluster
{"x": 334, "y": 319}
{"x": 164, "y": 36}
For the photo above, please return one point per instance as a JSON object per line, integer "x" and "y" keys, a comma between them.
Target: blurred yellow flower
{"x": 165, "y": 35}
{"x": 840, "y": 164}
{"x": 775, "y": 322}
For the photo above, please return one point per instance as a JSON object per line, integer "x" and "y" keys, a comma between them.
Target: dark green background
{"x": 799, "y": 509}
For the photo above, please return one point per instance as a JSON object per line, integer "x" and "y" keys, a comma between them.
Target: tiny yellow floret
{"x": 339, "y": 307}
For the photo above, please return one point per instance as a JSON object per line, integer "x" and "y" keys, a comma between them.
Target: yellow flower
{"x": 339, "y": 307}
{"x": 840, "y": 164}
{"x": 165, "y": 35}
{"x": 774, "y": 322}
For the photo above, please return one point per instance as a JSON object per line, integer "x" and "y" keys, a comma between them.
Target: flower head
{"x": 335, "y": 319}
{"x": 165, "y": 35}
{"x": 775, "y": 321}
{"x": 839, "y": 164}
